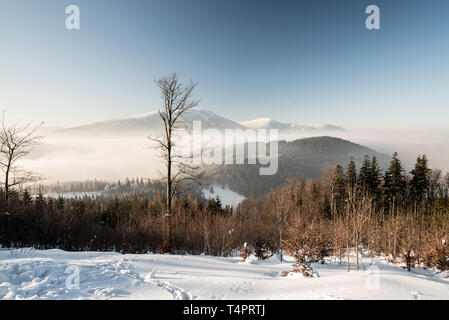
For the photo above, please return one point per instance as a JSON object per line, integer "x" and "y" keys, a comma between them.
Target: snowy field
{"x": 226, "y": 195}
{"x": 53, "y": 274}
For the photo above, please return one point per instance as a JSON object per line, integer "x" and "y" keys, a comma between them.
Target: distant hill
{"x": 151, "y": 124}
{"x": 303, "y": 158}
{"x": 268, "y": 123}
{"x": 148, "y": 124}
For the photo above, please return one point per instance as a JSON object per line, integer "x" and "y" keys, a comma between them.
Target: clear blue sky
{"x": 299, "y": 61}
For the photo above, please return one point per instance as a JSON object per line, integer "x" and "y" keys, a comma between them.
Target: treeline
{"x": 133, "y": 186}
{"x": 402, "y": 215}
{"x": 128, "y": 224}
{"x": 422, "y": 191}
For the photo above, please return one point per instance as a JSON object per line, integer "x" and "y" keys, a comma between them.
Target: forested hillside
{"x": 300, "y": 159}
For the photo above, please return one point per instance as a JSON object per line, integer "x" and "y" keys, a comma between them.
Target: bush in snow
{"x": 263, "y": 250}
{"x": 409, "y": 258}
{"x": 307, "y": 243}
{"x": 246, "y": 252}
{"x": 438, "y": 257}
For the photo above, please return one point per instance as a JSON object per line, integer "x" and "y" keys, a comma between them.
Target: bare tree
{"x": 446, "y": 184}
{"x": 436, "y": 185}
{"x": 16, "y": 142}
{"x": 177, "y": 99}
{"x": 358, "y": 210}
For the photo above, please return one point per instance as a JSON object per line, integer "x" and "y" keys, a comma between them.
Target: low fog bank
{"x": 69, "y": 159}
{"x": 408, "y": 143}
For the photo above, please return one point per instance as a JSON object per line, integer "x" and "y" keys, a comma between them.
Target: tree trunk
{"x": 394, "y": 206}
{"x": 357, "y": 250}
{"x": 169, "y": 192}
{"x": 280, "y": 245}
{"x": 347, "y": 253}
{"x": 7, "y": 186}
{"x": 169, "y": 180}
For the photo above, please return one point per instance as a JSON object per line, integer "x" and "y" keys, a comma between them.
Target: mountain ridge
{"x": 269, "y": 123}
{"x": 150, "y": 123}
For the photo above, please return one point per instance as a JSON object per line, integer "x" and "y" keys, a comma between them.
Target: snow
{"x": 268, "y": 123}
{"x": 257, "y": 123}
{"x": 226, "y": 195}
{"x": 68, "y": 195}
{"x": 141, "y": 115}
{"x": 50, "y": 274}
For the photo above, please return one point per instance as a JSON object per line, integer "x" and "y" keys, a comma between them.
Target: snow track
{"x": 52, "y": 274}
{"x": 177, "y": 293}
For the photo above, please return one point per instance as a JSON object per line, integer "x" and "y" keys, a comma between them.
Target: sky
{"x": 295, "y": 61}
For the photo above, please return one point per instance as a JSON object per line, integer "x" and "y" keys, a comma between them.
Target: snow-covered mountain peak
{"x": 151, "y": 123}
{"x": 268, "y": 123}
{"x": 259, "y": 123}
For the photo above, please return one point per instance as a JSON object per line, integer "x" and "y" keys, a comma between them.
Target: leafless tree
{"x": 16, "y": 142}
{"x": 177, "y": 99}
{"x": 446, "y": 184}
{"x": 358, "y": 210}
{"x": 436, "y": 184}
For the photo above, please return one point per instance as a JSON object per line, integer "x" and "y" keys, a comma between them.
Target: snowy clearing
{"x": 52, "y": 274}
{"x": 226, "y": 195}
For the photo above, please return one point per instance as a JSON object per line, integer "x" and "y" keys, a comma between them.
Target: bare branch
{"x": 16, "y": 142}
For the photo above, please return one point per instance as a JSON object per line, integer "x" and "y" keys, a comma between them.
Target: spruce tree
{"x": 364, "y": 175}
{"x": 351, "y": 175}
{"x": 26, "y": 198}
{"x": 394, "y": 182}
{"x": 419, "y": 185}
{"x": 375, "y": 178}
{"x": 40, "y": 202}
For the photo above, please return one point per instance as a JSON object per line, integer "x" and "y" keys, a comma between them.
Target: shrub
{"x": 307, "y": 243}
{"x": 246, "y": 252}
{"x": 263, "y": 250}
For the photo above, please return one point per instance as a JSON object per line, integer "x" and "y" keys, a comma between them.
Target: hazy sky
{"x": 299, "y": 61}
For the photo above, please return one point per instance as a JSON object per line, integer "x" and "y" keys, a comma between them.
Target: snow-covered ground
{"x": 226, "y": 195}
{"x": 68, "y": 195}
{"x": 53, "y": 274}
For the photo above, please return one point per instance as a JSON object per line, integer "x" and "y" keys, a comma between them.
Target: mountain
{"x": 302, "y": 159}
{"x": 209, "y": 120}
{"x": 149, "y": 123}
{"x": 267, "y": 123}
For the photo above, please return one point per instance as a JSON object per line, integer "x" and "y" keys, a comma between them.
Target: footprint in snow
{"x": 416, "y": 295}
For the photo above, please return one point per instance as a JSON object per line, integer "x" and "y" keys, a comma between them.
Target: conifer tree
{"x": 351, "y": 175}
{"x": 394, "y": 182}
{"x": 26, "y": 198}
{"x": 40, "y": 202}
{"x": 419, "y": 185}
{"x": 375, "y": 178}
{"x": 364, "y": 175}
